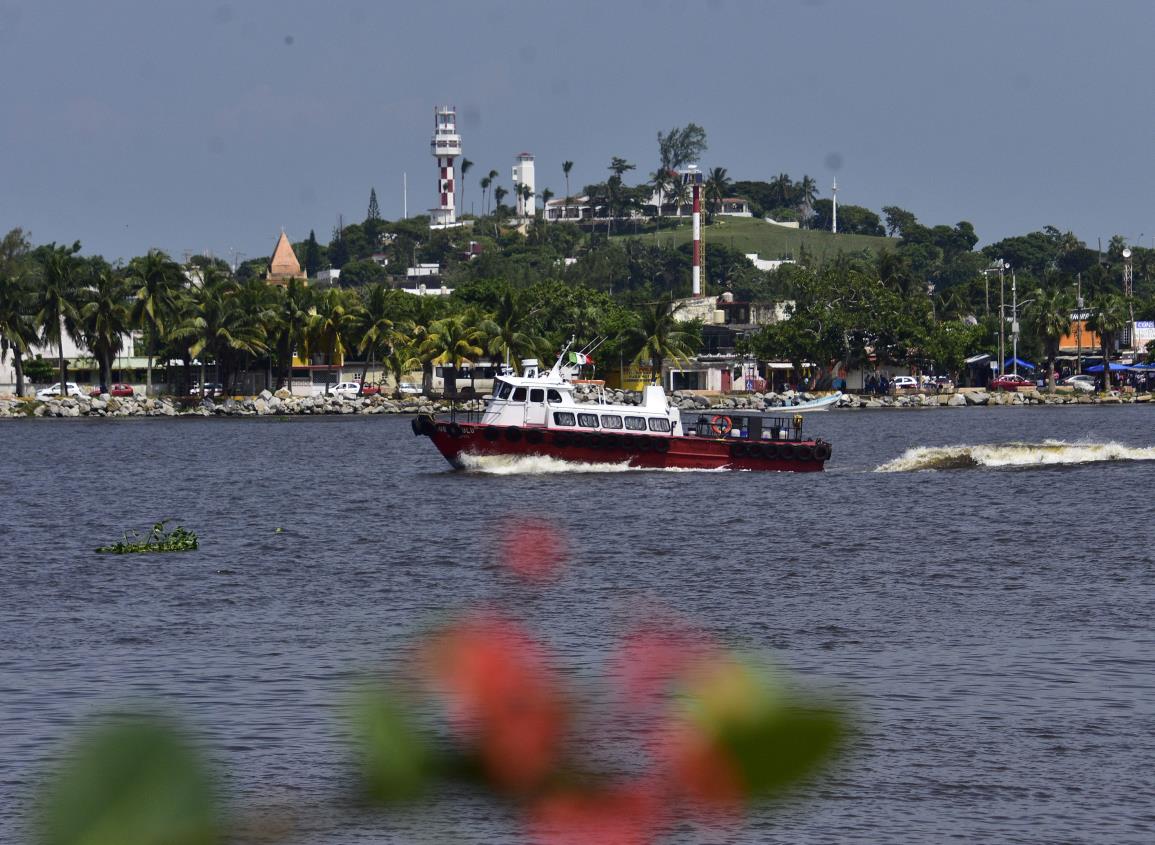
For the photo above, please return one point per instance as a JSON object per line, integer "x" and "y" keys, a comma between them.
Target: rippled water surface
{"x": 989, "y": 613}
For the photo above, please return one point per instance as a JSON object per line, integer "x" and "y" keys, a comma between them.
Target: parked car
{"x": 71, "y": 388}
{"x": 1082, "y": 383}
{"x": 408, "y": 388}
{"x": 370, "y": 389}
{"x": 212, "y": 388}
{"x": 115, "y": 390}
{"x": 347, "y": 389}
{"x": 1011, "y": 381}
{"x": 900, "y": 383}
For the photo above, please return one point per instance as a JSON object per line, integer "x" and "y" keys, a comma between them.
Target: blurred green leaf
{"x": 136, "y": 782}
{"x": 397, "y": 763}
{"x": 782, "y": 745}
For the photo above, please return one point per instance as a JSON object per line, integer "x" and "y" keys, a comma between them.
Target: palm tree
{"x": 660, "y": 180}
{"x": 452, "y": 342}
{"x": 17, "y": 328}
{"x": 418, "y": 329}
{"x": 493, "y": 178}
{"x": 485, "y": 183}
{"x": 1051, "y": 311}
{"x": 679, "y": 195}
{"x": 1109, "y": 317}
{"x": 566, "y": 167}
{"x": 525, "y": 193}
{"x": 659, "y": 336}
{"x": 221, "y": 322}
{"x": 155, "y": 279}
{"x": 375, "y": 324}
{"x": 291, "y": 305}
{"x": 717, "y": 187}
{"x": 782, "y": 190}
{"x": 546, "y": 196}
{"x": 807, "y": 194}
{"x": 334, "y": 319}
{"x": 510, "y": 341}
{"x": 55, "y": 299}
{"x": 104, "y": 319}
{"x": 465, "y": 165}
{"x": 499, "y": 194}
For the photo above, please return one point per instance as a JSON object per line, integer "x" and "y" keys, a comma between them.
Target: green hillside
{"x": 748, "y": 234}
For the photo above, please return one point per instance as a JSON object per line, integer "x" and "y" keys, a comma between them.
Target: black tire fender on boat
{"x": 821, "y": 451}
{"x": 641, "y": 444}
{"x": 805, "y": 453}
{"x": 661, "y": 444}
{"x": 492, "y": 432}
{"x": 533, "y": 435}
{"x": 770, "y": 451}
{"x": 786, "y": 451}
{"x": 416, "y": 428}
{"x": 455, "y": 430}
{"x": 512, "y": 434}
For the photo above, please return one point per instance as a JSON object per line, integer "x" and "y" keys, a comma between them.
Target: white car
{"x": 347, "y": 389}
{"x": 1082, "y": 383}
{"x": 53, "y": 392}
{"x": 408, "y": 388}
{"x": 904, "y": 383}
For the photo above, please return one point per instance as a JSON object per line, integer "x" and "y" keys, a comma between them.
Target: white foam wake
{"x": 993, "y": 455}
{"x": 545, "y": 465}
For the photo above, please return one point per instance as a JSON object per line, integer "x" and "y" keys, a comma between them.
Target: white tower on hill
{"x": 523, "y": 175}
{"x": 445, "y": 146}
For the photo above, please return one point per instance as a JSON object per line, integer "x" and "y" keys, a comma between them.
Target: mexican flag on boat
{"x": 580, "y": 358}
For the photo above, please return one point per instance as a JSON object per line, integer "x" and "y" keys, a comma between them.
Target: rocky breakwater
{"x": 281, "y": 403}
{"x": 970, "y": 398}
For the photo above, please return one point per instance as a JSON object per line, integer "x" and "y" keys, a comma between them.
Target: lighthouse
{"x": 523, "y": 175}
{"x": 445, "y": 146}
{"x": 693, "y": 178}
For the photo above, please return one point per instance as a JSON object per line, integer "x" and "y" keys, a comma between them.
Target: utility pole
{"x": 1015, "y": 323}
{"x": 1079, "y": 326}
{"x": 1003, "y": 267}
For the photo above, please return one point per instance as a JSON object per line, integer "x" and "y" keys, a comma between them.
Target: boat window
{"x": 504, "y": 389}
{"x": 554, "y": 396}
{"x": 659, "y": 424}
{"x": 519, "y": 394}
{"x": 611, "y": 421}
{"x": 588, "y": 420}
{"x": 537, "y": 395}
{"x": 563, "y": 418}
{"x": 636, "y": 423}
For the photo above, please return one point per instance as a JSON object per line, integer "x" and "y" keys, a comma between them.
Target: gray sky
{"x": 130, "y": 124}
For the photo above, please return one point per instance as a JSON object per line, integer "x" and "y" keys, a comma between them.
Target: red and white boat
{"x": 536, "y": 414}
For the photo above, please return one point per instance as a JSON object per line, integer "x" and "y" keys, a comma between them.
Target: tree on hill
{"x": 466, "y": 166}
{"x": 17, "y": 328}
{"x": 374, "y": 212}
{"x": 852, "y": 219}
{"x": 717, "y": 188}
{"x": 1108, "y": 318}
{"x": 898, "y": 221}
{"x": 363, "y": 272}
{"x": 681, "y": 147}
{"x": 312, "y": 256}
{"x": 155, "y": 280}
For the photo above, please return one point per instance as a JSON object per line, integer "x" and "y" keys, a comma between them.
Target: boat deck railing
{"x": 751, "y": 426}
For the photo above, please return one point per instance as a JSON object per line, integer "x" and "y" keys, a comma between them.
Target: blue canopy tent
{"x": 1023, "y": 365}
{"x": 1115, "y": 368}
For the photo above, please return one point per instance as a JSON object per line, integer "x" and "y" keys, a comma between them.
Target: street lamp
{"x": 1002, "y": 266}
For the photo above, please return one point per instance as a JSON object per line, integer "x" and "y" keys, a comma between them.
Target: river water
{"x": 986, "y": 607}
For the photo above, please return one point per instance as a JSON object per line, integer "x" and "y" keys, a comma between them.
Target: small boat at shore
{"x": 535, "y": 413}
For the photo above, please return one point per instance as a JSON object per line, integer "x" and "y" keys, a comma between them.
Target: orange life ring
{"x": 721, "y": 425}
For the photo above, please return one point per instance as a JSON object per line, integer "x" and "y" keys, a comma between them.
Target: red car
{"x": 1012, "y": 382}
{"x": 115, "y": 390}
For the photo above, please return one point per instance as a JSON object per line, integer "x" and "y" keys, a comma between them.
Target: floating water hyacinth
{"x": 158, "y": 540}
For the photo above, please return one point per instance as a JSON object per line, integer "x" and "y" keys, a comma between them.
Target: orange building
{"x": 1079, "y": 337}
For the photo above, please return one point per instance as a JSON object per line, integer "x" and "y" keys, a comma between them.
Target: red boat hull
{"x": 457, "y": 440}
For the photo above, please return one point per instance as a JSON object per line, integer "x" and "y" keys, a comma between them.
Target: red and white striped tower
{"x": 445, "y": 146}
{"x": 693, "y": 177}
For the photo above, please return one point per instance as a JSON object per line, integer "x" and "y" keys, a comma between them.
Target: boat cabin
{"x": 547, "y": 400}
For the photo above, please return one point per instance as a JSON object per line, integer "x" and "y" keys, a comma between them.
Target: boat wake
{"x": 545, "y": 465}
{"x": 996, "y": 455}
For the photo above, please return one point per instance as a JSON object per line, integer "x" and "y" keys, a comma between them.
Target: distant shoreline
{"x": 270, "y": 405}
